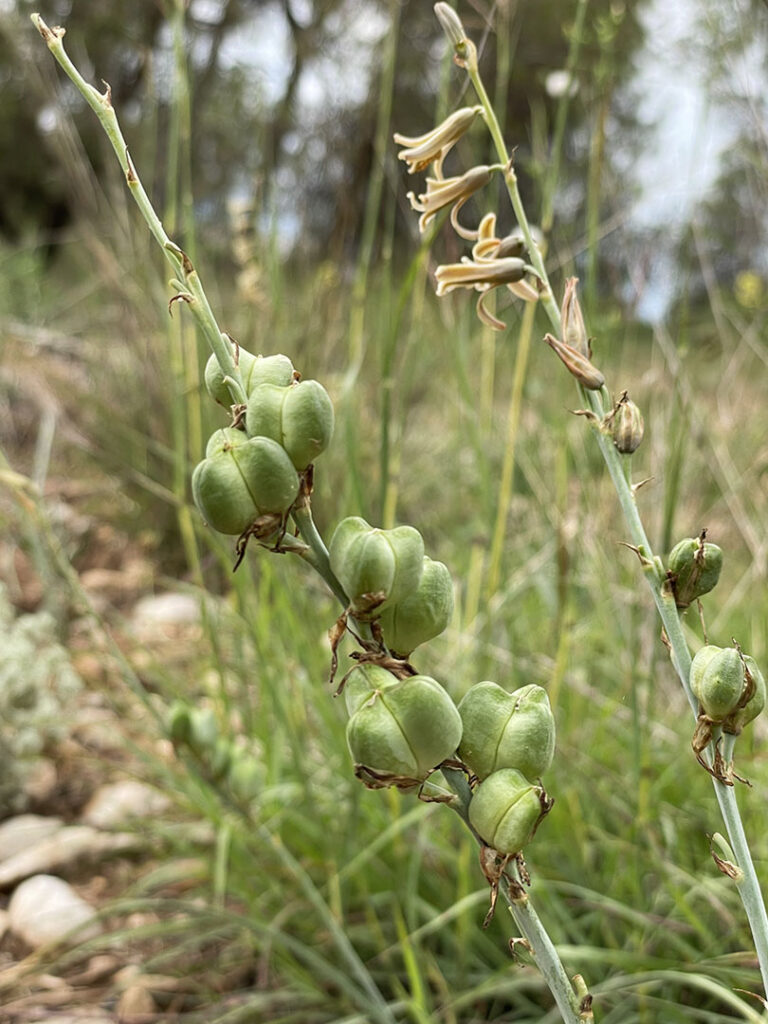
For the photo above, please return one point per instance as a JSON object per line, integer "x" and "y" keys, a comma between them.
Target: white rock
{"x": 171, "y": 609}
{"x": 25, "y": 830}
{"x": 45, "y": 909}
{"x": 72, "y": 845}
{"x": 118, "y": 802}
{"x": 5, "y": 923}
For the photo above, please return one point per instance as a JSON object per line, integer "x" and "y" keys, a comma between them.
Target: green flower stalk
{"x": 671, "y": 590}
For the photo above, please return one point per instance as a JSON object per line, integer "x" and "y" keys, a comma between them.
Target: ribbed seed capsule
{"x": 362, "y": 682}
{"x": 241, "y": 481}
{"x": 695, "y": 568}
{"x": 299, "y": 417}
{"x": 628, "y": 426}
{"x": 375, "y": 567}
{"x": 421, "y": 615}
{"x": 717, "y": 680}
{"x": 506, "y": 730}
{"x": 405, "y": 728}
{"x": 254, "y": 370}
{"x": 755, "y": 703}
{"x": 505, "y": 810}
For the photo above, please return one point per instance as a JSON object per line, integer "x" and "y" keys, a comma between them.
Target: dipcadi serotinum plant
{"x": 483, "y": 759}
{"x": 724, "y": 686}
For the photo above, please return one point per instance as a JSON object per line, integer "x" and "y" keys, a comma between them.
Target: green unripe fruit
{"x": 700, "y": 661}
{"x": 362, "y": 682}
{"x": 245, "y": 776}
{"x": 238, "y": 483}
{"x": 375, "y": 567}
{"x": 254, "y": 370}
{"x": 204, "y": 730}
{"x": 405, "y": 728}
{"x": 422, "y": 614}
{"x": 695, "y": 567}
{"x": 179, "y": 723}
{"x": 507, "y": 730}
{"x": 299, "y": 417}
{"x": 718, "y": 681}
{"x": 505, "y": 810}
{"x": 307, "y": 422}
{"x": 214, "y": 376}
{"x": 224, "y": 440}
{"x": 755, "y": 704}
{"x": 219, "y": 759}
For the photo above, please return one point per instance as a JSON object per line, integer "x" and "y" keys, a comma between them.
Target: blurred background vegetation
{"x": 263, "y": 133}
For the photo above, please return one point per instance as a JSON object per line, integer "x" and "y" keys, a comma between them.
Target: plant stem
{"x": 749, "y": 889}
{"x": 526, "y": 918}
{"x": 191, "y": 291}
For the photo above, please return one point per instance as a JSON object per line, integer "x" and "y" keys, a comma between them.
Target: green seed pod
{"x": 179, "y": 723}
{"x": 505, "y": 810}
{"x": 720, "y": 683}
{"x": 628, "y": 427}
{"x": 695, "y": 568}
{"x": 307, "y": 422}
{"x": 235, "y": 486}
{"x": 219, "y": 759}
{"x": 362, "y": 682}
{"x": 204, "y": 730}
{"x": 700, "y": 661}
{"x": 375, "y": 567}
{"x": 405, "y": 728}
{"x": 246, "y": 775}
{"x": 214, "y": 376}
{"x": 254, "y": 370}
{"x": 506, "y": 730}
{"x": 277, "y": 369}
{"x": 224, "y": 440}
{"x": 422, "y": 614}
{"x": 299, "y": 417}
{"x": 264, "y": 412}
{"x": 754, "y": 705}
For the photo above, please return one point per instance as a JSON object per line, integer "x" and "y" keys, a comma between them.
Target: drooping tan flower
{"x": 489, "y": 246}
{"x": 577, "y": 364}
{"x": 422, "y": 150}
{"x": 483, "y": 276}
{"x": 454, "y": 192}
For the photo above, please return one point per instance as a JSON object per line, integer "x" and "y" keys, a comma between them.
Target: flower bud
{"x": 717, "y": 680}
{"x": 423, "y": 613}
{"x": 254, "y": 370}
{"x": 450, "y": 23}
{"x": 506, "y": 730}
{"x": 695, "y": 568}
{"x": 505, "y": 810}
{"x": 627, "y": 426}
{"x": 240, "y": 482}
{"x": 375, "y": 567}
{"x": 406, "y": 728}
